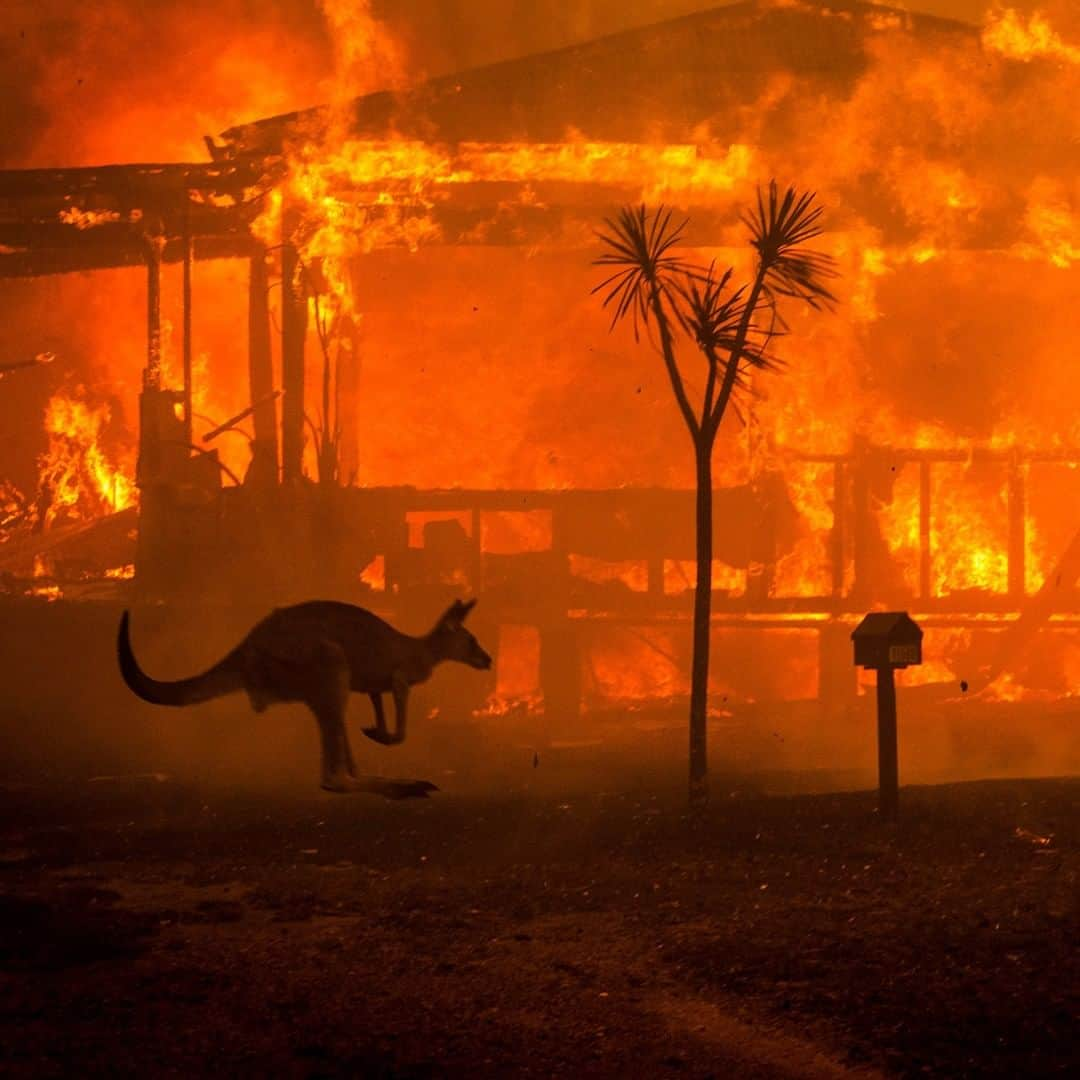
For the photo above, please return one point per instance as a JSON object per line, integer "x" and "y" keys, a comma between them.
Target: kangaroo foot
{"x": 407, "y": 789}
{"x": 379, "y": 735}
{"x": 343, "y": 784}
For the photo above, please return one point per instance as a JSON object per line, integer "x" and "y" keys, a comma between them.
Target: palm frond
{"x": 779, "y": 227}
{"x": 640, "y": 248}
{"x": 712, "y": 315}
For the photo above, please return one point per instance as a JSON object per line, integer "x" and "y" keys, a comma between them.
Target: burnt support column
{"x": 149, "y": 464}
{"x": 293, "y": 333}
{"x": 189, "y": 258}
{"x": 261, "y": 374}
{"x": 157, "y": 425}
{"x": 155, "y": 245}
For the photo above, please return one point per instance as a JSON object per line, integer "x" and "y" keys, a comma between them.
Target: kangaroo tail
{"x": 223, "y": 678}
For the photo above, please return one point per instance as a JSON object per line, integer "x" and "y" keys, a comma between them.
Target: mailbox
{"x": 887, "y": 639}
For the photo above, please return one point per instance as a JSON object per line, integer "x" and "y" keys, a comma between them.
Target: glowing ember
{"x": 374, "y": 574}
{"x": 88, "y": 219}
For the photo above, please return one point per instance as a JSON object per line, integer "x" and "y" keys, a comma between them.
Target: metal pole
{"x": 888, "y": 769}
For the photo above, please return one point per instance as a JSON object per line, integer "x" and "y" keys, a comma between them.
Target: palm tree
{"x": 733, "y": 329}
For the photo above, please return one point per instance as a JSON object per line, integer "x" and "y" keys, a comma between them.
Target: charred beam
{"x": 95, "y": 255}
{"x": 241, "y": 416}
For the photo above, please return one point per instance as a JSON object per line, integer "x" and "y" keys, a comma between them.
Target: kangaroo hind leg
{"x": 378, "y": 733}
{"x": 327, "y": 696}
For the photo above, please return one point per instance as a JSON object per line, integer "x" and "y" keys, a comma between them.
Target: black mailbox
{"x": 887, "y": 639}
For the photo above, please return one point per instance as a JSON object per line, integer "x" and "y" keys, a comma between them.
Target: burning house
{"x": 356, "y": 354}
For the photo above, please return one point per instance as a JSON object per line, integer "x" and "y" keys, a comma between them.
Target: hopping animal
{"x": 318, "y": 653}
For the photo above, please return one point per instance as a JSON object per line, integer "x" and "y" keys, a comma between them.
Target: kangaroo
{"x": 318, "y": 653}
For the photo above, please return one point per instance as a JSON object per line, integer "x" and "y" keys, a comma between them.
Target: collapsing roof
{"x": 656, "y": 85}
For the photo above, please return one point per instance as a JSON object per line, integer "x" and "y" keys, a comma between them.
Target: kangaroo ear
{"x": 452, "y": 615}
{"x": 456, "y": 612}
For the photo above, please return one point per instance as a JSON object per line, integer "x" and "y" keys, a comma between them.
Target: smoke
{"x": 124, "y": 80}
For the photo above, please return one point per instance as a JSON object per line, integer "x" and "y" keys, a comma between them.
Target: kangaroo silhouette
{"x": 318, "y": 653}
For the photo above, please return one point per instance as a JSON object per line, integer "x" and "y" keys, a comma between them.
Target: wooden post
{"x": 149, "y": 464}
{"x": 152, "y": 375}
{"x": 189, "y": 256}
{"x": 888, "y": 768}
{"x": 261, "y": 372}
{"x": 148, "y": 467}
{"x": 293, "y": 333}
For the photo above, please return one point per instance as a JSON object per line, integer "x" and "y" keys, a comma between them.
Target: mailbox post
{"x": 885, "y": 641}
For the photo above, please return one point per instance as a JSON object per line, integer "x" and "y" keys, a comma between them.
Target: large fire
{"x": 78, "y": 478}
{"x": 491, "y": 367}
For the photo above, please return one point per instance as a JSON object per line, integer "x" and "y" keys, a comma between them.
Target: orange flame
{"x": 1006, "y": 32}
{"x": 79, "y": 475}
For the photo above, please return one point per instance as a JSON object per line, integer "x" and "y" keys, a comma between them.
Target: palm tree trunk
{"x": 699, "y": 678}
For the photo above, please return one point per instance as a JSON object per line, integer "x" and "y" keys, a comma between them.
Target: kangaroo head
{"x": 451, "y": 641}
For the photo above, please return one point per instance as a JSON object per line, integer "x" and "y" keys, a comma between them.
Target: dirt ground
{"x": 150, "y": 927}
